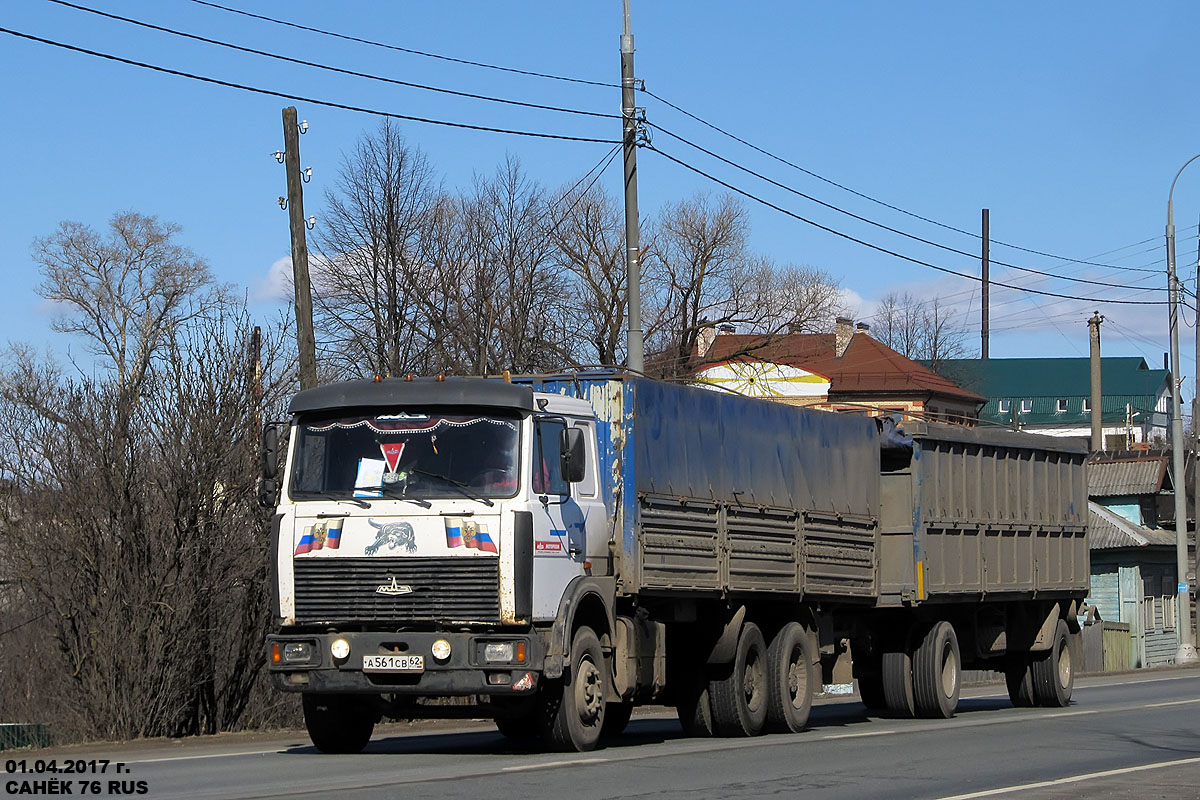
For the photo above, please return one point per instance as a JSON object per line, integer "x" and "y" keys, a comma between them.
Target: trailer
{"x": 563, "y": 548}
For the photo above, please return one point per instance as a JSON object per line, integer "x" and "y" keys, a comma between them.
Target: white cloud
{"x": 276, "y": 285}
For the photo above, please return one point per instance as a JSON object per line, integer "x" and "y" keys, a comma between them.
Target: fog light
{"x": 297, "y": 652}
{"x": 340, "y": 648}
{"x": 498, "y": 651}
{"x": 441, "y": 649}
{"x": 498, "y": 678}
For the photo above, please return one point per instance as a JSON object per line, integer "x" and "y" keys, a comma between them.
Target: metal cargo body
{"x": 984, "y": 514}
{"x": 718, "y": 493}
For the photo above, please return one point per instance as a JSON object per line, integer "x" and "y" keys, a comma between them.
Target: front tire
{"x": 739, "y": 700}
{"x": 339, "y": 723}
{"x": 790, "y": 660}
{"x": 573, "y": 714}
{"x": 1054, "y": 672}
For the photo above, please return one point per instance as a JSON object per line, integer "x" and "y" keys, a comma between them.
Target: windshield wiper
{"x": 462, "y": 487}
{"x": 358, "y": 501}
{"x": 392, "y": 491}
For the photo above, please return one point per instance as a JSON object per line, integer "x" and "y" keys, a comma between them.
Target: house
{"x": 844, "y": 371}
{"x": 1052, "y": 396}
{"x": 1133, "y": 572}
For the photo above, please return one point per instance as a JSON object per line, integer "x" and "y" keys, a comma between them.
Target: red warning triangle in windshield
{"x": 391, "y": 454}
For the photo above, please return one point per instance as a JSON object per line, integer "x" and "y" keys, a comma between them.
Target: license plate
{"x": 393, "y": 663}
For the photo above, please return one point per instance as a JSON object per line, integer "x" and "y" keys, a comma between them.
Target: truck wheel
{"x": 338, "y": 723}
{"x": 789, "y": 679}
{"x": 1018, "y": 674}
{"x": 870, "y": 691}
{"x": 573, "y": 714}
{"x": 517, "y": 720}
{"x": 1054, "y": 672}
{"x": 739, "y": 700}
{"x": 898, "y": 683}
{"x": 937, "y": 672}
{"x": 695, "y": 709}
{"x": 616, "y": 717}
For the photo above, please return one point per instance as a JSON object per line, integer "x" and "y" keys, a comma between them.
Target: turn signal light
{"x": 520, "y": 652}
{"x": 276, "y": 656}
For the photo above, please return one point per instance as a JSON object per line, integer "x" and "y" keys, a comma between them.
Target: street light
{"x": 1187, "y": 646}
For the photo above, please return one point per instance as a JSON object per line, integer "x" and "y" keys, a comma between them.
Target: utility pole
{"x": 983, "y": 329}
{"x": 1186, "y": 653}
{"x": 305, "y": 340}
{"x": 1094, "y": 335}
{"x": 633, "y": 234}
{"x": 1196, "y": 450}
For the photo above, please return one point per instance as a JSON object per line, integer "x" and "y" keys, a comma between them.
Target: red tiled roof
{"x": 867, "y": 366}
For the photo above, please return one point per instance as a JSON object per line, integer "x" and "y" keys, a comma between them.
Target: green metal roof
{"x": 1042, "y": 382}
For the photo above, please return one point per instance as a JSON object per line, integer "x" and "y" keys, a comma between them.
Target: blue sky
{"x": 1067, "y": 120}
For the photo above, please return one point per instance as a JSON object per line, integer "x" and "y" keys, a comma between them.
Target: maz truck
{"x": 556, "y": 550}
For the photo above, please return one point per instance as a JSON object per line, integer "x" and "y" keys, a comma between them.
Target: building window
{"x": 1087, "y": 405}
{"x": 1026, "y": 406}
{"x": 1062, "y": 405}
{"x": 1005, "y": 406}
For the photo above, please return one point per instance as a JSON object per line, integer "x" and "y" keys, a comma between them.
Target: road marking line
{"x": 548, "y": 764}
{"x": 831, "y": 737}
{"x": 1073, "y": 779}
{"x": 206, "y": 755}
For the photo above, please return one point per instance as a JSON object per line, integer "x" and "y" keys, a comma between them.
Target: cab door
{"x": 558, "y": 542}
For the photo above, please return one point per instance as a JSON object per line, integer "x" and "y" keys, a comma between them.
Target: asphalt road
{"x": 1132, "y": 736}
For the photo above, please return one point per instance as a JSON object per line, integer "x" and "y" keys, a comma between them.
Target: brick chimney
{"x": 704, "y": 339}
{"x": 862, "y": 327}
{"x": 841, "y": 339}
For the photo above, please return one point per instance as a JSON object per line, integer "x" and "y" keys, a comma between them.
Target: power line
{"x": 880, "y": 225}
{"x": 406, "y": 49}
{"x": 300, "y": 98}
{"x": 885, "y": 250}
{"x": 328, "y": 68}
{"x": 856, "y": 193}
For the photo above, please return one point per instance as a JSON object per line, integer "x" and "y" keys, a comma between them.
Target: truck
{"x": 552, "y": 551}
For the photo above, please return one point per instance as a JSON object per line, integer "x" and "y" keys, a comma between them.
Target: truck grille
{"x": 443, "y": 589}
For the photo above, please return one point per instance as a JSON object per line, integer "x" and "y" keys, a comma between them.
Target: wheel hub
{"x": 589, "y": 697}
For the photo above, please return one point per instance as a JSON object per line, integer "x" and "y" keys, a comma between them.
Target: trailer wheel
{"x": 739, "y": 700}
{"x": 338, "y": 723}
{"x": 937, "y": 672}
{"x": 1054, "y": 672}
{"x": 790, "y": 661}
{"x": 573, "y": 711}
{"x": 1018, "y": 674}
{"x": 898, "y": 683}
{"x": 616, "y": 717}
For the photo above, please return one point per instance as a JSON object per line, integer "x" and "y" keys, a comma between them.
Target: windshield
{"x": 406, "y": 454}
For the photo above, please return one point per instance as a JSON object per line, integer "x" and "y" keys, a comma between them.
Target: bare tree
{"x": 588, "y": 234}
{"x": 125, "y": 293}
{"x": 367, "y": 287}
{"x": 918, "y": 329}
{"x": 128, "y": 531}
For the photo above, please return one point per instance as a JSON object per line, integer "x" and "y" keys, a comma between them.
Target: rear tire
{"x": 937, "y": 672}
{"x": 870, "y": 691}
{"x": 739, "y": 700}
{"x": 573, "y": 711}
{"x": 790, "y": 661}
{"x": 1054, "y": 672}
{"x": 1019, "y": 677}
{"x": 339, "y": 723}
{"x": 695, "y": 708}
{"x": 898, "y": 683}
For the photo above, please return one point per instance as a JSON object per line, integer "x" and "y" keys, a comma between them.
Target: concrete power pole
{"x": 305, "y": 340}
{"x": 1097, "y": 397}
{"x": 633, "y": 234}
{"x": 983, "y": 329}
{"x": 1196, "y": 452}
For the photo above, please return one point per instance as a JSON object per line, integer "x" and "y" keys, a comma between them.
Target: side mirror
{"x": 270, "y": 452}
{"x": 268, "y": 493}
{"x": 571, "y": 454}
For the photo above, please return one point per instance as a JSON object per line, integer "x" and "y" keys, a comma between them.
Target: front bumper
{"x": 465, "y": 672}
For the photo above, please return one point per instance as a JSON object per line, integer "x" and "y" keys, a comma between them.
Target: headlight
{"x": 339, "y": 649}
{"x": 498, "y": 651}
{"x": 297, "y": 652}
{"x": 441, "y": 649}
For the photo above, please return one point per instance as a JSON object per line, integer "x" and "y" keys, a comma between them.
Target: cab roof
{"x": 422, "y": 392}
